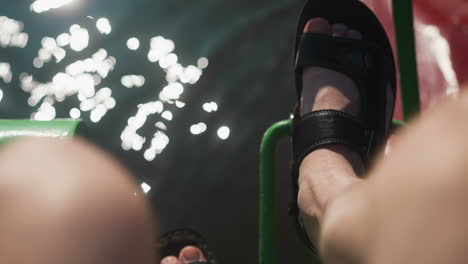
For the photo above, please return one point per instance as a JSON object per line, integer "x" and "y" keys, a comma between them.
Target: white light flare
{"x": 79, "y": 38}
{"x": 131, "y": 81}
{"x": 202, "y": 63}
{"x": 75, "y": 113}
{"x": 103, "y": 25}
{"x": 5, "y": 72}
{"x": 210, "y": 107}
{"x": 177, "y": 77}
{"x": 41, "y": 6}
{"x": 11, "y": 34}
{"x": 133, "y": 44}
{"x": 224, "y": 132}
{"x": 145, "y": 187}
{"x": 198, "y": 128}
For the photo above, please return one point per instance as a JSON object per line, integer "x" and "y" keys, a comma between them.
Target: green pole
{"x": 404, "y": 31}
{"x": 267, "y": 190}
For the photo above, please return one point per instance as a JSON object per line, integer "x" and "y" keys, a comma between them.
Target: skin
{"x": 410, "y": 207}
{"x": 65, "y": 201}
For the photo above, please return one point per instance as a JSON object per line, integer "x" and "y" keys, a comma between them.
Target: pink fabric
{"x": 441, "y": 28}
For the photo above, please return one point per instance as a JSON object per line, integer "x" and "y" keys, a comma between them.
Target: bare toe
{"x": 339, "y": 30}
{"x": 353, "y": 34}
{"x": 318, "y": 25}
{"x": 191, "y": 254}
{"x": 169, "y": 260}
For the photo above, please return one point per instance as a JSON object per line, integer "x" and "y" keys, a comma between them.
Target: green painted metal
{"x": 404, "y": 30}
{"x": 60, "y": 128}
{"x": 267, "y": 189}
{"x": 399, "y": 123}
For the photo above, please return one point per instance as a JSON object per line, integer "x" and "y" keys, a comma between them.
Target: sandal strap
{"x": 349, "y": 56}
{"x": 327, "y": 127}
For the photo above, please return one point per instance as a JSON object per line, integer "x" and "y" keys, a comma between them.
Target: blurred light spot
{"x": 131, "y": 81}
{"x": 198, "y": 128}
{"x": 40, "y": 6}
{"x": 11, "y": 34}
{"x": 202, "y": 63}
{"x": 138, "y": 143}
{"x": 180, "y": 104}
{"x": 149, "y": 155}
{"x": 210, "y": 107}
{"x": 75, "y": 113}
{"x": 191, "y": 75}
{"x": 161, "y": 125}
{"x": 1, "y": 95}
{"x": 110, "y": 103}
{"x": 63, "y": 39}
{"x": 440, "y": 47}
{"x": 167, "y": 115}
{"x": 171, "y": 59}
{"x": 5, "y": 72}
{"x": 145, "y": 187}
{"x": 171, "y": 92}
{"x": 49, "y": 49}
{"x": 133, "y": 43}
{"x": 158, "y": 144}
{"x": 79, "y": 79}
{"x": 79, "y": 38}
{"x": 48, "y": 43}
{"x": 159, "y": 48}
{"x": 97, "y": 79}
{"x": 162, "y": 51}
{"x": 45, "y": 113}
{"x": 103, "y": 26}
{"x": 223, "y": 132}
{"x": 38, "y": 63}
{"x": 130, "y": 136}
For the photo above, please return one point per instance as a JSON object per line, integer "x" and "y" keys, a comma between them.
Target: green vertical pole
{"x": 404, "y": 30}
{"x": 267, "y": 190}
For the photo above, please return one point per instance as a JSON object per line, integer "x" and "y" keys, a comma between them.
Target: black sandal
{"x": 368, "y": 62}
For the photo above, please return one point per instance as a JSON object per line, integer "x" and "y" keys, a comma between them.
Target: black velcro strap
{"x": 349, "y": 56}
{"x": 326, "y": 127}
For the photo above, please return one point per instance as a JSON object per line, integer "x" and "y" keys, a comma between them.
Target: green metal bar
{"x": 404, "y": 30}
{"x": 267, "y": 190}
{"x": 60, "y": 128}
{"x": 399, "y": 123}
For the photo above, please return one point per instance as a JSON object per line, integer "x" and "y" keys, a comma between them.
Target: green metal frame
{"x": 59, "y": 128}
{"x": 404, "y": 30}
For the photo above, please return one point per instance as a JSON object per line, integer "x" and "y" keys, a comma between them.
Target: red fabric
{"x": 441, "y": 29}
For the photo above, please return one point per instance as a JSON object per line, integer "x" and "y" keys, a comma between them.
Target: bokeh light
{"x": 224, "y": 132}
{"x": 104, "y": 26}
{"x": 40, "y": 6}
{"x": 5, "y": 72}
{"x": 11, "y": 34}
{"x": 133, "y": 43}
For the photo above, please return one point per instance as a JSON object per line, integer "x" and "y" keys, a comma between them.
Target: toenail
{"x": 320, "y": 25}
{"x": 354, "y": 34}
{"x": 339, "y": 29}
